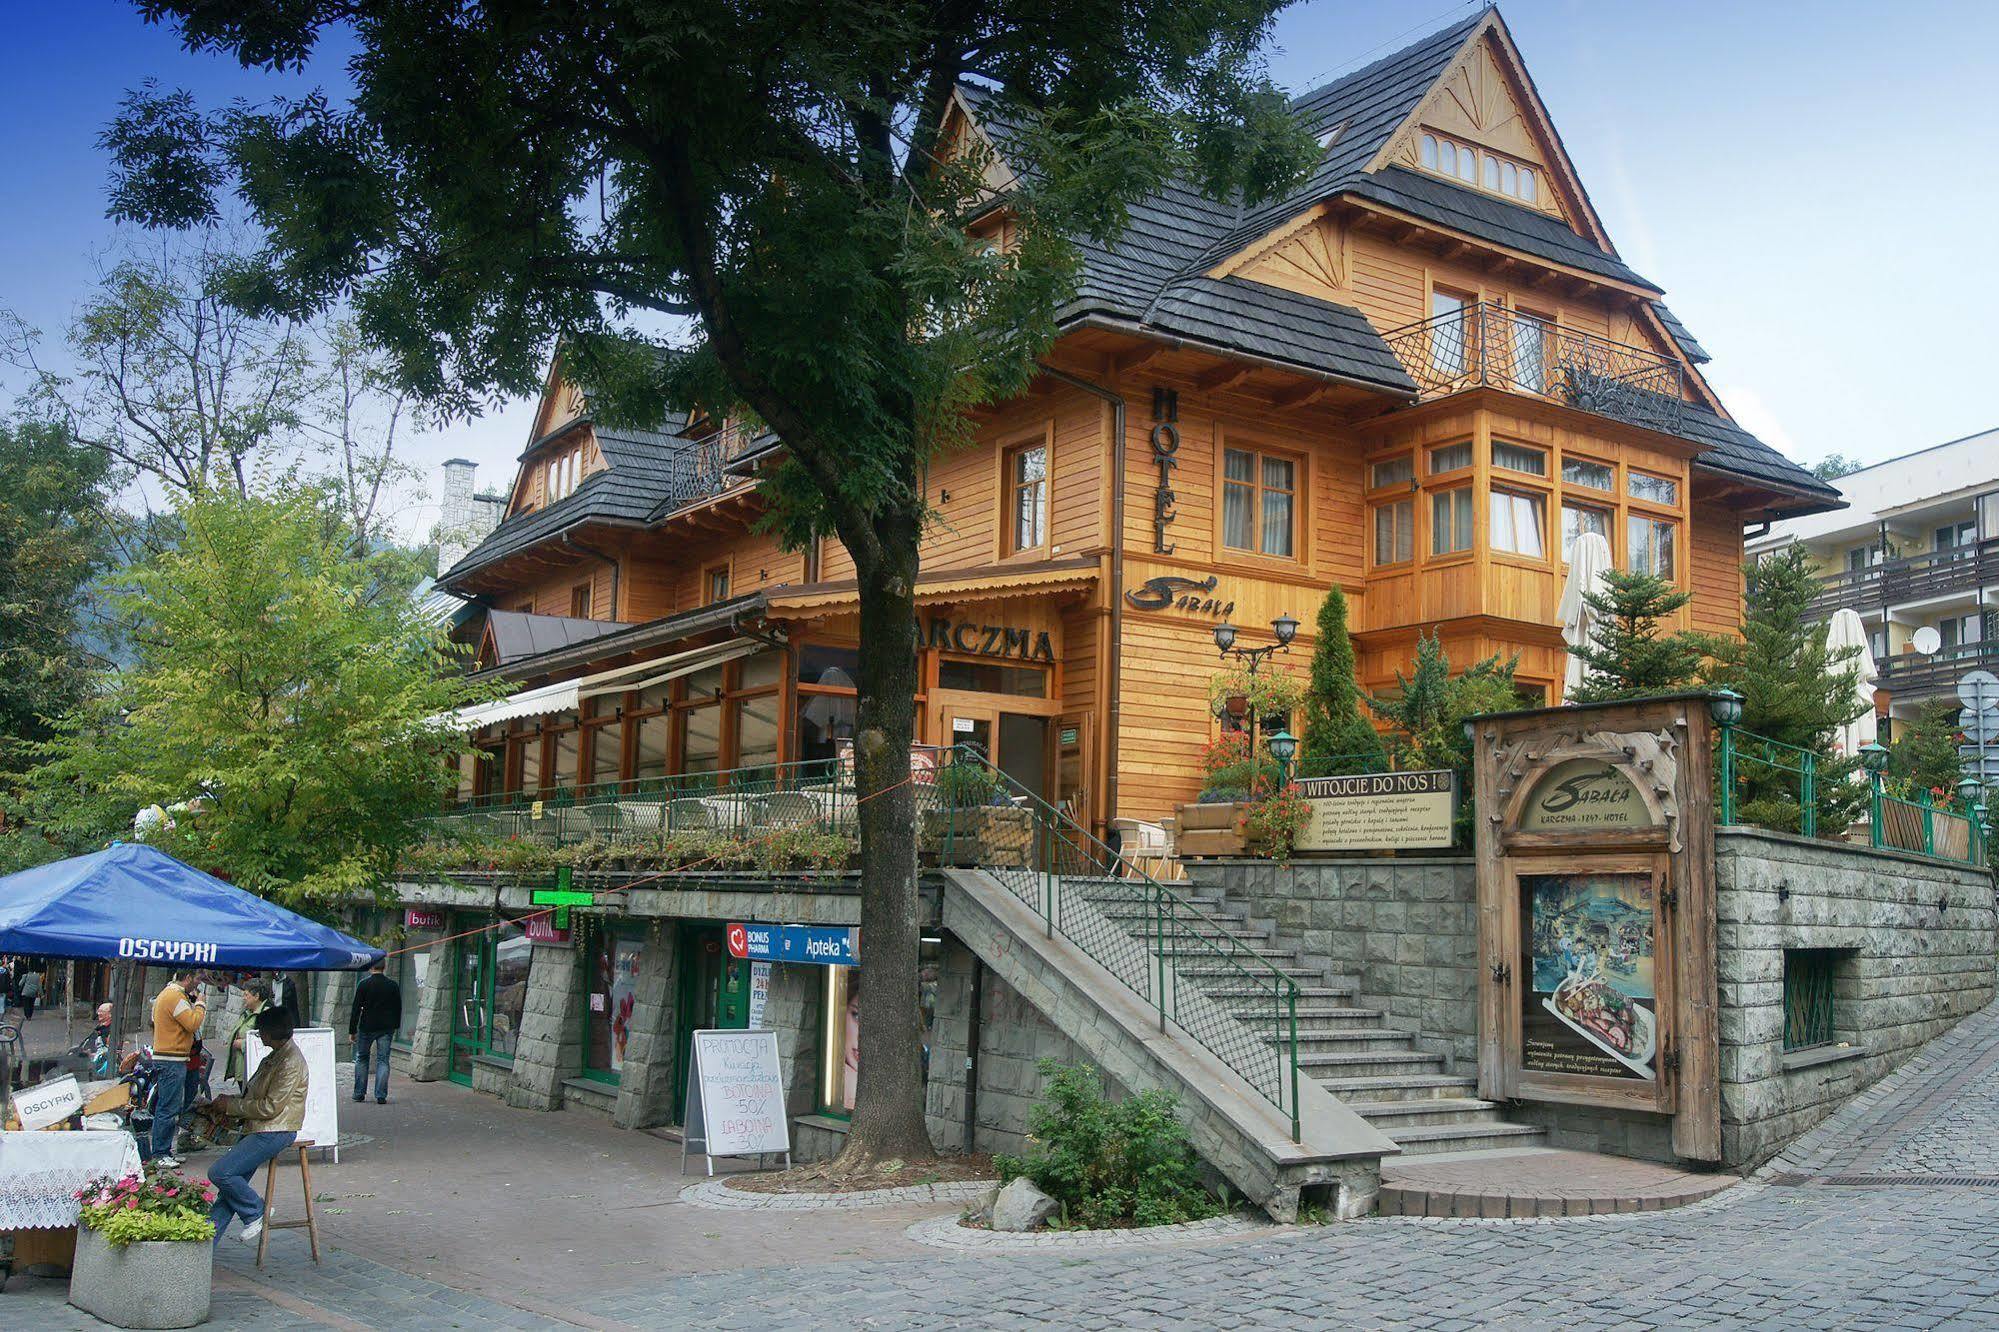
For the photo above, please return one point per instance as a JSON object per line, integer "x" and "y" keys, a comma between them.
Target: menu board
{"x": 1591, "y": 1006}
{"x": 735, "y": 1100}
{"x": 1379, "y": 811}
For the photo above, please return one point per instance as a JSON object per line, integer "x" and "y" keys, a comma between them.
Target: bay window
{"x": 1650, "y": 546}
{"x": 1580, "y": 518}
{"x": 1395, "y": 532}
{"x": 1450, "y": 521}
{"x": 1516, "y": 524}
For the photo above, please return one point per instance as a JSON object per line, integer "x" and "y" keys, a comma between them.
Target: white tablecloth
{"x": 41, "y": 1172}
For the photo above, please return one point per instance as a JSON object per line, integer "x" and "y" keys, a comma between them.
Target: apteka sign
{"x": 820, "y": 945}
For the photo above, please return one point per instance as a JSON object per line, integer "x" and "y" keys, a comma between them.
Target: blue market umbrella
{"x": 133, "y": 902}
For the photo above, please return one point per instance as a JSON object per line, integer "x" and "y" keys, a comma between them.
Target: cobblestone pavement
{"x": 1788, "y": 1250}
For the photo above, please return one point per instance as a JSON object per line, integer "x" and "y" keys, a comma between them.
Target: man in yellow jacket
{"x": 178, "y": 1012}
{"x": 272, "y": 1109}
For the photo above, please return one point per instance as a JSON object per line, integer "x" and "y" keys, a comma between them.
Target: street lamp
{"x": 1725, "y": 706}
{"x": 1967, "y": 791}
{"x": 1284, "y": 627}
{"x": 1874, "y": 757}
{"x": 1283, "y": 748}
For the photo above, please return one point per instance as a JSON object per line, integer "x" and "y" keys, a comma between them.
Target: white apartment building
{"x": 1916, "y": 550}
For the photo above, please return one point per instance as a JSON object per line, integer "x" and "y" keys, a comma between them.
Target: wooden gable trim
{"x": 1272, "y": 240}
{"x": 1542, "y": 126}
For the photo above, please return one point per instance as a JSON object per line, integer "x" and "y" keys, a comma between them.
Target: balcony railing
{"x": 702, "y": 469}
{"x": 1937, "y": 573}
{"x": 1913, "y": 675}
{"x": 1490, "y": 346}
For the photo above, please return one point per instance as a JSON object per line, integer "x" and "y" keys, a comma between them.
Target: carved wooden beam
{"x": 1225, "y": 377}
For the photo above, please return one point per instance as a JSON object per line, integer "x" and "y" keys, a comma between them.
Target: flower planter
{"x": 985, "y": 835}
{"x": 1210, "y": 830}
{"x": 158, "y": 1283}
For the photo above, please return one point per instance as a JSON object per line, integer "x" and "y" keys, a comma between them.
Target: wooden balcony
{"x": 1924, "y": 577}
{"x": 702, "y": 470}
{"x": 1489, "y": 346}
{"x": 1912, "y": 675}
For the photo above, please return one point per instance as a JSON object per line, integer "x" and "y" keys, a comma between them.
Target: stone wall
{"x": 1917, "y": 954}
{"x": 1406, "y": 929}
{"x": 550, "y": 1048}
{"x": 1013, "y": 1040}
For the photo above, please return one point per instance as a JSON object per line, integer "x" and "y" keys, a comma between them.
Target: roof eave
{"x": 1110, "y": 323}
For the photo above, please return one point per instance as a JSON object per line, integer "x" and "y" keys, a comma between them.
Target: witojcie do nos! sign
{"x": 1379, "y": 811}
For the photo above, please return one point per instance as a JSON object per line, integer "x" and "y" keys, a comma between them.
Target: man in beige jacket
{"x": 272, "y": 1108}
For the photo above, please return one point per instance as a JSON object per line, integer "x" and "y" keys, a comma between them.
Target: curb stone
{"x": 945, "y": 1232}
{"x": 719, "y": 1195}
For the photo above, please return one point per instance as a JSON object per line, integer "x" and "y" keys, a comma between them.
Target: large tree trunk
{"x": 888, "y": 1107}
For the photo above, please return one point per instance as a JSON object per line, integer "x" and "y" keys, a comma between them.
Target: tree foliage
{"x": 1428, "y": 709}
{"x": 55, "y": 531}
{"x": 281, "y": 711}
{"x": 782, "y": 172}
{"x": 1629, "y": 655}
{"x": 1334, "y": 727}
{"x": 1795, "y": 690}
{"x": 1924, "y": 755}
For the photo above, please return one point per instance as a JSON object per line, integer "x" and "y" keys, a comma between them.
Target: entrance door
{"x": 471, "y": 1000}
{"x": 714, "y": 993}
{"x": 1018, "y": 743}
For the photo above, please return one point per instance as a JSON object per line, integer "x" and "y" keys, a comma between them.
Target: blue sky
{"x": 1812, "y": 183}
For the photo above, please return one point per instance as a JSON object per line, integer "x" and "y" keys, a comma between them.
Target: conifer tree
{"x": 1628, "y": 656}
{"x": 1795, "y": 690}
{"x": 1334, "y": 727}
{"x": 1924, "y": 753}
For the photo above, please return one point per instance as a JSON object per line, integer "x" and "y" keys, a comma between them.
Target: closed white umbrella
{"x": 1589, "y": 561}
{"x": 1846, "y": 631}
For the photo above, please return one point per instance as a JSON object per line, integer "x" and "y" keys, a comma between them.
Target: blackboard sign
{"x": 735, "y": 1100}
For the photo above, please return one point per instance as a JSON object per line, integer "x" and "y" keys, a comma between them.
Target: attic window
{"x": 1478, "y": 166}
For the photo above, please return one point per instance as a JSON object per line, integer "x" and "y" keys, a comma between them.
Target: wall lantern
{"x": 1725, "y": 706}
{"x": 1874, "y": 757}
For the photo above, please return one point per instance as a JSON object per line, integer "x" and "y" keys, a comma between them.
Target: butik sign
{"x": 422, "y": 918}
{"x": 819, "y": 945}
{"x": 541, "y": 929}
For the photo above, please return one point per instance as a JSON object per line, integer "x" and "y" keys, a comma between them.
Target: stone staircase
{"x": 1350, "y": 1050}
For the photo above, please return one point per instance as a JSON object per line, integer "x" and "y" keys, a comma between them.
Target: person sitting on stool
{"x": 272, "y": 1109}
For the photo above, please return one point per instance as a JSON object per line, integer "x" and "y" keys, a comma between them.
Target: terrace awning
{"x": 527, "y": 703}
{"x": 569, "y": 694}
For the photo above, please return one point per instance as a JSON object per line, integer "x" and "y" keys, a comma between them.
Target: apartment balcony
{"x": 1914, "y": 676}
{"x": 1928, "y": 577}
{"x": 1490, "y": 346}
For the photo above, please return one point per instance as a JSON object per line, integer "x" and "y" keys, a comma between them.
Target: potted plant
{"x": 1214, "y": 824}
{"x": 142, "y": 1250}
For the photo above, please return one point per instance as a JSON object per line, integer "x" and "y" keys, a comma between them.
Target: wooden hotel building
{"x": 1418, "y": 376}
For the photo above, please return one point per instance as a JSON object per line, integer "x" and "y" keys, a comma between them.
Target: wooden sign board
{"x": 1379, "y": 811}
{"x": 49, "y": 1103}
{"x": 735, "y": 1100}
{"x": 322, "y": 1086}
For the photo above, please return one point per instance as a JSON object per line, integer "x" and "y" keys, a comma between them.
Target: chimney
{"x": 459, "y": 527}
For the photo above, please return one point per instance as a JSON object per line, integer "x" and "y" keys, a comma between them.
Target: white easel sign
{"x": 735, "y": 1100}
{"x": 322, "y": 1088}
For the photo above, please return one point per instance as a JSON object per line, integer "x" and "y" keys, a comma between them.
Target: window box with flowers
{"x": 142, "y": 1250}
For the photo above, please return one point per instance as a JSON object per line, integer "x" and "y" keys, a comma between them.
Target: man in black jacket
{"x": 378, "y": 1011}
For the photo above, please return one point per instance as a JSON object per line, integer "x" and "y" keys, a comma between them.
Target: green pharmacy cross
{"x": 561, "y": 897}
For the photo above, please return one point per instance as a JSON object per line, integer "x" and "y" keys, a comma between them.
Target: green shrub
{"x": 1111, "y": 1164}
{"x": 161, "y": 1204}
{"x": 967, "y": 784}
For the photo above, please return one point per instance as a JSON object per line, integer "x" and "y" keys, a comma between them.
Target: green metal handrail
{"x": 1738, "y": 751}
{"x": 1054, "y": 857}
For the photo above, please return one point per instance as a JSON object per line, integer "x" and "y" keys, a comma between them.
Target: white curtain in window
{"x": 1516, "y": 524}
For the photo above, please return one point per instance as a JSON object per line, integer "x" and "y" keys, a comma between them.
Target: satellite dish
{"x": 1926, "y": 640}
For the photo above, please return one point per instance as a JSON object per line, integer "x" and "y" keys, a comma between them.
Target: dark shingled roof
{"x": 641, "y": 467}
{"x": 1735, "y": 452}
{"x": 1695, "y": 352}
{"x": 517, "y": 635}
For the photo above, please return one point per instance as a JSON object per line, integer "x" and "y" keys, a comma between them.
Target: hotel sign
{"x": 1379, "y": 811}
{"x": 1174, "y": 592}
{"x": 1584, "y": 794}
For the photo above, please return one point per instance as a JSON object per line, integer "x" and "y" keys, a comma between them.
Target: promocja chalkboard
{"x": 735, "y": 1100}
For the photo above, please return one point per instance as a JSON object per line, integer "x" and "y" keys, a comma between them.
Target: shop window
{"x": 1811, "y": 1011}
{"x": 1653, "y": 489}
{"x": 1519, "y": 458}
{"x": 1027, "y": 497}
{"x": 1595, "y": 475}
{"x": 409, "y": 967}
{"x": 1450, "y": 521}
{"x": 1580, "y": 518}
{"x": 512, "y": 954}
{"x": 1450, "y": 458}
{"x": 1650, "y": 546}
{"x": 1259, "y": 502}
{"x": 579, "y": 602}
{"x": 1392, "y": 472}
{"x": 611, "y": 973}
{"x": 832, "y": 667}
{"x": 1517, "y": 524}
{"x": 991, "y": 677}
{"x": 1395, "y": 532}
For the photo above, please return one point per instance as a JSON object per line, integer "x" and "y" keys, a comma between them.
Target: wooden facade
{"x": 1439, "y": 508}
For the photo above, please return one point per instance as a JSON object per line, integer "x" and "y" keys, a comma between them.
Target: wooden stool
{"x": 311, "y": 1222}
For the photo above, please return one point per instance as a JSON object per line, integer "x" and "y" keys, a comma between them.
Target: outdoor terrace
{"x": 1489, "y": 346}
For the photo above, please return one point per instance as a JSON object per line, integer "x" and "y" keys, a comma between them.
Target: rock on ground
{"x": 1021, "y": 1206}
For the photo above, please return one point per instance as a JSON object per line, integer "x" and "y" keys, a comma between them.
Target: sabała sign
{"x": 1379, "y": 811}
{"x": 1583, "y": 794}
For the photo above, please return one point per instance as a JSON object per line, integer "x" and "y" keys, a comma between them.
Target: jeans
{"x": 231, "y": 1177}
{"x": 379, "y": 1042}
{"x": 169, "y": 1099}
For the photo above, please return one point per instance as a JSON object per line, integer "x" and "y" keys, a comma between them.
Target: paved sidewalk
{"x": 464, "y": 1214}
{"x": 1530, "y": 1182}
